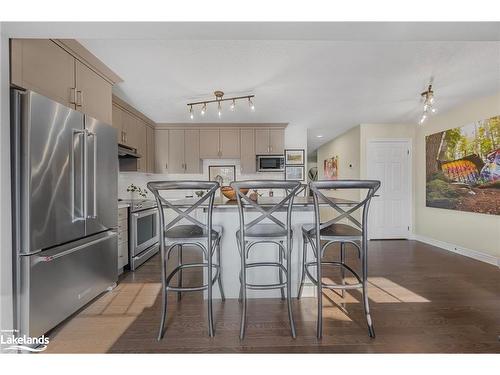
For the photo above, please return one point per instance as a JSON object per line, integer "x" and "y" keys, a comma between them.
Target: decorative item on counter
{"x": 135, "y": 190}
{"x": 254, "y": 195}
{"x": 229, "y": 192}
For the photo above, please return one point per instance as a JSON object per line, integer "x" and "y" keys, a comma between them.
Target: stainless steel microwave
{"x": 270, "y": 163}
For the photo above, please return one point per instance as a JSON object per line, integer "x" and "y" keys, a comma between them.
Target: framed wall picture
{"x": 295, "y": 173}
{"x": 223, "y": 174}
{"x": 294, "y": 157}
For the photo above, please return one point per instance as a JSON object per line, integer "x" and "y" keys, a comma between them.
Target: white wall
{"x": 469, "y": 230}
{"x": 347, "y": 147}
{"x": 5, "y": 208}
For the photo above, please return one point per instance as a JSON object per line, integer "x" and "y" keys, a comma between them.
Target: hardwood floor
{"x": 423, "y": 300}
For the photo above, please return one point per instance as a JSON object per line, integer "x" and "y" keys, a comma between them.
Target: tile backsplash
{"x": 141, "y": 179}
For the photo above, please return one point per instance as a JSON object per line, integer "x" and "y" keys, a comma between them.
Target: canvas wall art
{"x": 463, "y": 168}
{"x": 331, "y": 168}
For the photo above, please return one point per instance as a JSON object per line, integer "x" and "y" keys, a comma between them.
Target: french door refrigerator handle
{"x": 94, "y": 176}
{"x": 50, "y": 258}
{"x": 77, "y": 133}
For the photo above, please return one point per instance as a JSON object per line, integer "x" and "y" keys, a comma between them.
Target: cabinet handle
{"x": 72, "y": 95}
{"x": 166, "y": 165}
{"x": 271, "y": 148}
{"x": 125, "y": 137}
{"x": 79, "y": 98}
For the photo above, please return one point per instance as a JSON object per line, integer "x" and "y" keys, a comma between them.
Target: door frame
{"x": 411, "y": 191}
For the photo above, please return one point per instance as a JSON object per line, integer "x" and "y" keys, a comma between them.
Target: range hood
{"x": 127, "y": 152}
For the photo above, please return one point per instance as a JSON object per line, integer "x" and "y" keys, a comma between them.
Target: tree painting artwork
{"x": 463, "y": 168}
{"x": 331, "y": 168}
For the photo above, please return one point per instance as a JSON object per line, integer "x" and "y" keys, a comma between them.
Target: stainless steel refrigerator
{"x": 64, "y": 173}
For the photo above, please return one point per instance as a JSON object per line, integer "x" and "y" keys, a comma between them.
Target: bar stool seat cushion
{"x": 192, "y": 231}
{"x": 264, "y": 231}
{"x": 333, "y": 230}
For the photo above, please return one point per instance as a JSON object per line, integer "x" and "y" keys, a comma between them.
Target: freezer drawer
{"x": 59, "y": 282}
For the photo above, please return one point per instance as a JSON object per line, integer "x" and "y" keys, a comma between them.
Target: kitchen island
{"x": 225, "y": 214}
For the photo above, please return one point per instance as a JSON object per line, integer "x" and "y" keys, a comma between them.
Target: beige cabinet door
{"x": 229, "y": 143}
{"x": 116, "y": 121}
{"x": 176, "y": 151}
{"x": 161, "y": 150}
{"x": 262, "y": 141}
{"x": 129, "y": 129}
{"x": 150, "y": 146}
{"x": 140, "y": 134}
{"x": 93, "y": 94}
{"x": 209, "y": 145}
{"x": 247, "y": 158}
{"x": 192, "y": 160}
{"x": 42, "y": 66}
{"x": 276, "y": 141}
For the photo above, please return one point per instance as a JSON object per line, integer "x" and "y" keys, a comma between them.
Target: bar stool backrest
{"x": 267, "y": 210}
{"x": 157, "y": 187}
{"x": 371, "y": 186}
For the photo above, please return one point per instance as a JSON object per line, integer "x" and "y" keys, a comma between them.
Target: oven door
{"x": 270, "y": 163}
{"x": 144, "y": 230}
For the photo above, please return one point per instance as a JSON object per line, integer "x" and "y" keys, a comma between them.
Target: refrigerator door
{"x": 102, "y": 176}
{"x": 48, "y": 168}
{"x": 58, "y": 282}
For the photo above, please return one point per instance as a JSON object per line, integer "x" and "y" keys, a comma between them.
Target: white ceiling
{"x": 325, "y": 77}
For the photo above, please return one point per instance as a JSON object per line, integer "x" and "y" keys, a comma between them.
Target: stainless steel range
{"x": 143, "y": 232}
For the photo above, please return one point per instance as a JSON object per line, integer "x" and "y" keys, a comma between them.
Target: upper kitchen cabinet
{"x": 137, "y": 131}
{"x": 150, "y": 143}
{"x": 93, "y": 94}
{"x": 269, "y": 141}
{"x": 277, "y": 141}
{"x": 183, "y": 151}
{"x": 229, "y": 143}
{"x": 220, "y": 143}
{"x": 42, "y": 66}
{"x": 63, "y": 70}
{"x": 161, "y": 150}
{"x": 247, "y": 154}
{"x": 209, "y": 147}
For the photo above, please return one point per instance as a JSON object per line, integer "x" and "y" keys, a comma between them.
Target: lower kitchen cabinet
{"x": 122, "y": 238}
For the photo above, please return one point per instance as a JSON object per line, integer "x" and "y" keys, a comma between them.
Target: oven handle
{"x": 144, "y": 213}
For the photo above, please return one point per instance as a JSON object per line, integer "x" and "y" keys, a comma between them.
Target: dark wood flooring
{"x": 423, "y": 300}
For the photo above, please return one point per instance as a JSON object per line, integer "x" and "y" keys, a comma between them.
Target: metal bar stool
{"x": 331, "y": 232}
{"x": 276, "y": 232}
{"x": 203, "y": 237}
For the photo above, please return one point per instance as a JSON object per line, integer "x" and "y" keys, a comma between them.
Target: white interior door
{"x": 390, "y": 212}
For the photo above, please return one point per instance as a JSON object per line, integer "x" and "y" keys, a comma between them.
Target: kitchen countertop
{"x": 299, "y": 203}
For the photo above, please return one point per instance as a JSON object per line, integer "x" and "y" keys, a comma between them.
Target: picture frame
{"x": 294, "y": 173}
{"x": 294, "y": 156}
{"x": 223, "y": 174}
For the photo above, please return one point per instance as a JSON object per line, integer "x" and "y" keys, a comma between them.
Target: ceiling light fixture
{"x": 219, "y": 98}
{"x": 250, "y": 103}
{"x": 428, "y": 109}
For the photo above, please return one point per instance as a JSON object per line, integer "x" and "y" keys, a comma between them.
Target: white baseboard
{"x": 474, "y": 254}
